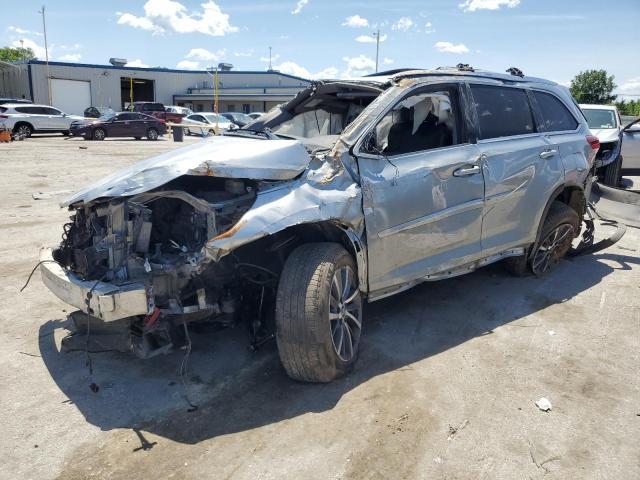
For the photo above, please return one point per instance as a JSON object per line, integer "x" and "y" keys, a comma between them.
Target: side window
{"x": 502, "y": 111}
{"x": 555, "y": 115}
{"x": 51, "y": 111}
{"x": 422, "y": 121}
{"x": 29, "y": 110}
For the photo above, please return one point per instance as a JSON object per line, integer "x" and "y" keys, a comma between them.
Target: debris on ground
{"x": 48, "y": 195}
{"x": 551, "y": 332}
{"x": 544, "y": 404}
{"x": 453, "y": 430}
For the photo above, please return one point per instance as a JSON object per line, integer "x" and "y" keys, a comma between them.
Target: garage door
{"x": 70, "y": 96}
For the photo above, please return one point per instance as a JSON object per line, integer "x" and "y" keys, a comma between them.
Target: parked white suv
{"x": 27, "y": 119}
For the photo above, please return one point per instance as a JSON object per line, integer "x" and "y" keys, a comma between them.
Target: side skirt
{"x": 449, "y": 273}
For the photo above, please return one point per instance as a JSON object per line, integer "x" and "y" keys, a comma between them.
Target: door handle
{"x": 466, "y": 171}
{"x": 548, "y": 153}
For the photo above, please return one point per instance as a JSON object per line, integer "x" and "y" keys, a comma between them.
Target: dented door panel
{"x": 419, "y": 216}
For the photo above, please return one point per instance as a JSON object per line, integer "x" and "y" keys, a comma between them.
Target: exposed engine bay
{"x": 157, "y": 238}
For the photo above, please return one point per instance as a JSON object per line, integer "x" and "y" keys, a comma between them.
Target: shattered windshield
{"x": 323, "y": 114}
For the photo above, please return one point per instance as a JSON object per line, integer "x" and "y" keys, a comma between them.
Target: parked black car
{"x": 239, "y": 118}
{"x": 123, "y": 124}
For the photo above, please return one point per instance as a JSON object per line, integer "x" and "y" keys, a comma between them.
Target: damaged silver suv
{"x": 352, "y": 191}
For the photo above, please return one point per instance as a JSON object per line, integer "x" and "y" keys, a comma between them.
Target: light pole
{"x": 46, "y": 52}
{"x": 377, "y": 35}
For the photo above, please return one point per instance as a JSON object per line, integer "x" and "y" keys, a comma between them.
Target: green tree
{"x": 593, "y": 86}
{"x": 10, "y": 54}
{"x": 630, "y": 107}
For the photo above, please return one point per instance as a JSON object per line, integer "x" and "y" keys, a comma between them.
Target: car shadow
{"x": 236, "y": 390}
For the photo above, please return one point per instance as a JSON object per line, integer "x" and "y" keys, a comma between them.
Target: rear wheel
{"x": 152, "y": 134}
{"x": 23, "y": 129}
{"x": 318, "y": 313}
{"x": 560, "y": 227}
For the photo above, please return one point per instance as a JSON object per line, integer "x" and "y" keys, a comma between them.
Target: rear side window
{"x": 29, "y": 110}
{"x": 502, "y": 112}
{"x": 555, "y": 115}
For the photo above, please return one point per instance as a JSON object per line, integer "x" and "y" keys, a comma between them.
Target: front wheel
{"x": 152, "y": 134}
{"x": 99, "y": 134}
{"x": 318, "y": 313}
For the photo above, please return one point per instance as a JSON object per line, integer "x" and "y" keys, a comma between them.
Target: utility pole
{"x": 270, "y": 67}
{"x": 377, "y": 35}
{"x": 46, "y": 52}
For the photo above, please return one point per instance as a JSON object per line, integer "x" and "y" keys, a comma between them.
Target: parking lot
{"x": 445, "y": 386}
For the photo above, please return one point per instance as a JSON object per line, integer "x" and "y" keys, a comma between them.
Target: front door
{"x": 521, "y": 166}
{"x": 422, "y": 188}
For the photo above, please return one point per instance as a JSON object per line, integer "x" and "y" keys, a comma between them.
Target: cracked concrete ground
{"x": 445, "y": 386}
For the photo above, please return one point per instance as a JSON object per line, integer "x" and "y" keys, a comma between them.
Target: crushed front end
{"x": 141, "y": 259}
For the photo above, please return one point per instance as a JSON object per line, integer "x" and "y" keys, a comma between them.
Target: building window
{"x": 246, "y": 108}
{"x": 231, "y": 107}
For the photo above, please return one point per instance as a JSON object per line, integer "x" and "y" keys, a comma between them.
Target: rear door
{"x": 36, "y": 116}
{"x": 422, "y": 189}
{"x": 521, "y": 165}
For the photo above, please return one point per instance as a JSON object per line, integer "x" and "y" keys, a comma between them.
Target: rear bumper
{"x": 108, "y": 302}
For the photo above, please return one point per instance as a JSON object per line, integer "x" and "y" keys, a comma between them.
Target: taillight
{"x": 593, "y": 141}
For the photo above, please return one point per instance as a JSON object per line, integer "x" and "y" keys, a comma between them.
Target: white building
{"x": 76, "y": 86}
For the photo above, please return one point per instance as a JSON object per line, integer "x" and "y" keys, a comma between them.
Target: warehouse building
{"x": 74, "y": 87}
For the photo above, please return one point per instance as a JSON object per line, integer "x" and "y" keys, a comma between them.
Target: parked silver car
{"x": 604, "y": 122}
{"x": 206, "y": 123}
{"x": 353, "y": 191}
{"x": 631, "y": 148}
{"x": 26, "y": 119}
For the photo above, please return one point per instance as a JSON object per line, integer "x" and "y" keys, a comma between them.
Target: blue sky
{"x": 553, "y": 39}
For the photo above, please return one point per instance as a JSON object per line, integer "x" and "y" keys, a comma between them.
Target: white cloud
{"x": 403, "y": 24}
{"x": 473, "y": 5}
{"x": 161, "y": 16}
{"x": 38, "y": 50}
{"x": 137, "y": 63}
{"x": 630, "y": 85}
{"x": 70, "y": 57}
{"x": 188, "y": 65}
{"x": 22, "y": 31}
{"x": 355, "y": 21}
{"x": 359, "y": 66}
{"x": 448, "y": 47}
{"x": 206, "y": 55}
{"x": 370, "y": 38}
{"x": 248, "y": 53}
{"x": 428, "y": 28}
{"x": 292, "y": 68}
{"x": 274, "y": 58}
{"x": 299, "y": 6}
{"x": 388, "y": 61}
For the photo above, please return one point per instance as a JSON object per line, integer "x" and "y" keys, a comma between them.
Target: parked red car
{"x": 158, "y": 110}
{"x": 123, "y": 124}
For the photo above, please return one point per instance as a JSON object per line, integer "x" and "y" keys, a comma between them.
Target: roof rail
{"x": 391, "y": 72}
{"x": 516, "y": 72}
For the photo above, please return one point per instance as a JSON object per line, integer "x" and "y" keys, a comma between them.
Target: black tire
{"x": 304, "y": 332}
{"x": 138, "y": 138}
{"x": 152, "y": 134}
{"x": 611, "y": 173}
{"x": 564, "y": 220}
{"x": 23, "y": 129}
{"x": 66, "y": 133}
{"x": 99, "y": 134}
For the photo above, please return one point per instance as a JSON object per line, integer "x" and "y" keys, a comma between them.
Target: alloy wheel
{"x": 552, "y": 248}
{"x": 345, "y": 313}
